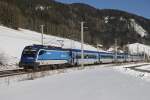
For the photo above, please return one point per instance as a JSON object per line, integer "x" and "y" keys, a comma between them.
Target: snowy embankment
{"x": 13, "y": 42}
{"x": 140, "y": 73}
{"x": 139, "y": 48}
{"x": 94, "y": 84}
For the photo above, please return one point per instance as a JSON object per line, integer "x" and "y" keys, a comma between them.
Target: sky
{"x": 139, "y": 7}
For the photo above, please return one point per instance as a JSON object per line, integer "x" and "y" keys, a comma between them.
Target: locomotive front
{"x": 28, "y": 57}
{"x": 39, "y": 56}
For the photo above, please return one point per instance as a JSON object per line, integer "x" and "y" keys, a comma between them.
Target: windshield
{"x": 29, "y": 53}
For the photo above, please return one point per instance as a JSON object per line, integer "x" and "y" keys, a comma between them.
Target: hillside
{"x": 104, "y": 25}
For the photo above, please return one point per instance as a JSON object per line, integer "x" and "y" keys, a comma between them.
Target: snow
{"x": 91, "y": 84}
{"x": 40, "y": 8}
{"x": 112, "y": 49}
{"x": 144, "y": 67}
{"x": 139, "y": 29}
{"x": 13, "y": 42}
{"x": 135, "y": 48}
{"x": 126, "y": 69}
{"x": 122, "y": 19}
{"x": 139, "y": 48}
{"x": 106, "y": 19}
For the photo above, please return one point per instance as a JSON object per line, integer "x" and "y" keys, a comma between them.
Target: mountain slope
{"x": 104, "y": 25}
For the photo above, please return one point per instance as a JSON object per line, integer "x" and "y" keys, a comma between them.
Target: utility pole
{"x": 138, "y": 54}
{"x": 124, "y": 50}
{"x": 144, "y": 54}
{"x": 148, "y": 55}
{"x": 116, "y": 50}
{"x": 42, "y": 30}
{"x": 82, "y": 42}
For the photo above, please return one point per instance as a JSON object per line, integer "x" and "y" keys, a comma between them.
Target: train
{"x": 35, "y": 56}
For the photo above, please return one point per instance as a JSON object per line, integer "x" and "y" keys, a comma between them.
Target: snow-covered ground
{"x": 139, "y": 29}
{"x": 100, "y": 83}
{"x": 126, "y": 69}
{"x": 144, "y": 67}
{"x": 139, "y": 48}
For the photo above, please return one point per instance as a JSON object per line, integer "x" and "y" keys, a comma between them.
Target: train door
{"x": 72, "y": 57}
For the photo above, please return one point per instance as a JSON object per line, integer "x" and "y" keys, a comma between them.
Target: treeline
{"x": 9, "y": 15}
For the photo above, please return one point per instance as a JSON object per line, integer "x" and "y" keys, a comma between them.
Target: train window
{"x": 106, "y": 56}
{"x": 86, "y": 56}
{"x": 29, "y": 53}
{"x": 92, "y": 56}
{"x": 78, "y": 56}
{"x": 42, "y": 52}
{"x": 120, "y": 56}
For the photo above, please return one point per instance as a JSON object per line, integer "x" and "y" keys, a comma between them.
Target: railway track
{"x": 7, "y": 73}
{"x": 135, "y": 68}
{"x": 142, "y": 70}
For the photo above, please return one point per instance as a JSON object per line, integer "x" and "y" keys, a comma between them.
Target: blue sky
{"x": 139, "y": 7}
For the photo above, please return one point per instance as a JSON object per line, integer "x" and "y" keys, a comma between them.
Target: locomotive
{"x": 35, "y": 56}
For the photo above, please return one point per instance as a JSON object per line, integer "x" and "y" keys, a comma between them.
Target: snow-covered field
{"x": 138, "y": 74}
{"x": 139, "y": 48}
{"x": 144, "y": 67}
{"x": 100, "y": 83}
